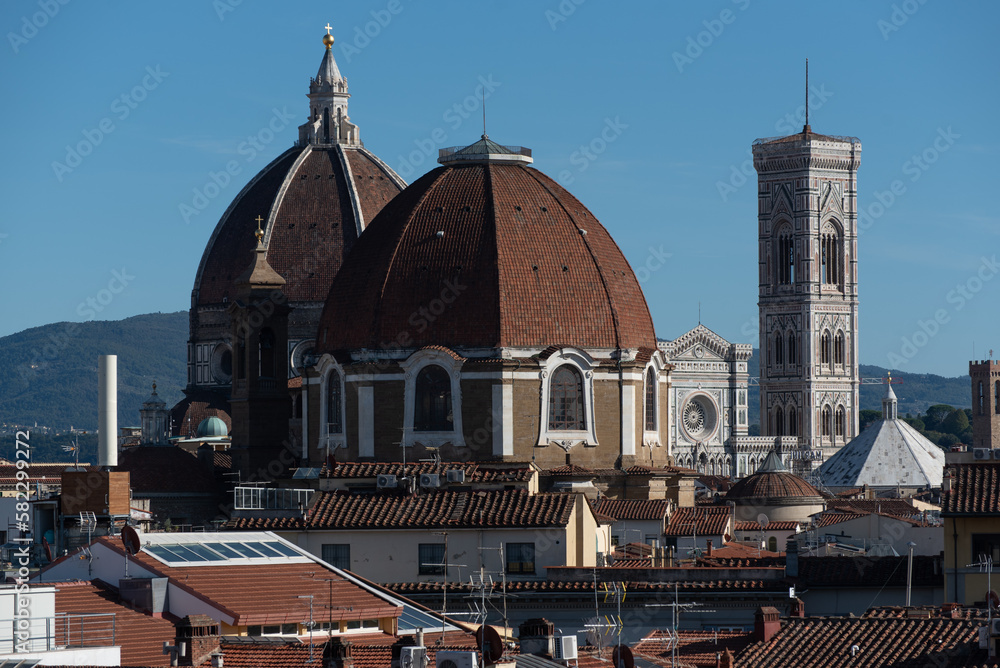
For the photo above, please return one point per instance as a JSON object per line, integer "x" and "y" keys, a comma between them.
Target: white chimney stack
{"x": 107, "y": 410}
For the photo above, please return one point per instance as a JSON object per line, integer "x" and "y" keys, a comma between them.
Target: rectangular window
{"x": 338, "y": 555}
{"x": 520, "y": 558}
{"x": 431, "y": 557}
{"x": 986, "y": 545}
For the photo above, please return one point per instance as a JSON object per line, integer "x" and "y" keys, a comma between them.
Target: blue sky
{"x": 158, "y": 97}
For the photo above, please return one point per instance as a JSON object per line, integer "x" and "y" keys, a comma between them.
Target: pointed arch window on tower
{"x": 779, "y": 349}
{"x": 650, "y": 400}
{"x": 785, "y": 254}
{"x": 841, "y": 421}
{"x": 779, "y": 422}
{"x": 334, "y": 413}
{"x": 838, "y": 349}
{"x": 827, "y": 419}
{"x": 266, "y": 354}
{"x": 433, "y": 400}
{"x": 566, "y": 400}
{"x": 824, "y": 348}
{"x": 830, "y": 251}
{"x": 793, "y": 422}
{"x": 791, "y": 348}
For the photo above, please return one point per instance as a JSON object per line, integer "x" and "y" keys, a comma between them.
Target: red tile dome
{"x": 315, "y": 201}
{"x": 485, "y": 252}
{"x": 772, "y": 481}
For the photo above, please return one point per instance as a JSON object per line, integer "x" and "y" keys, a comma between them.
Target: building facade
{"x": 708, "y": 393}
{"x": 985, "y": 404}
{"x": 808, "y": 289}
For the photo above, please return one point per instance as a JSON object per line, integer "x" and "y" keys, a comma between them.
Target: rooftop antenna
{"x": 699, "y": 313}
{"x": 806, "y": 128}
{"x": 484, "y": 113}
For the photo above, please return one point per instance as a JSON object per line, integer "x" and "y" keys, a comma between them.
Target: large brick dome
{"x": 485, "y": 252}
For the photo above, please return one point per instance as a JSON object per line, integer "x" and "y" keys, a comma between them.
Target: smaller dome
{"x": 212, "y": 426}
{"x": 772, "y": 481}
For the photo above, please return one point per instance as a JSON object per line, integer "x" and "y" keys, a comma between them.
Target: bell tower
{"x": 808, "y": 290}
{"x": 260, "y": 403}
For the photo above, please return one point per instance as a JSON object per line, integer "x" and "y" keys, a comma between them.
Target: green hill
{"x": 48, "y": 374}
{"x": 916, "y": 391}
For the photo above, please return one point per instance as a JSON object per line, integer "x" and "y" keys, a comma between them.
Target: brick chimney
{"x": 766, "y": 623}
{"x": 337, "y": 654}
{"x": 536, "y": 636}
{"x": 798, "y": 608}
{"x": 727, "y": 660}
{"x": 197, "y": 639}
{"x": 708, "y": 547}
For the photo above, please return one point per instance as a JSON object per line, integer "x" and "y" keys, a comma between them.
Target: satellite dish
{"x": 130, "y": 539}
{"x": 490, "y": 643}
{"x": 622, "y": 657}
{"x": 762, "y": 521}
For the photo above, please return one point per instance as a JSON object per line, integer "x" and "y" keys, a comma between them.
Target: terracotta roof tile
{"x": 344, "y": 510}
{"x": 482, "y": 473}
{"x": 628, "y": 509}
{"x": 695, "y": 647}
{"x": 816, "y": 642}
{"x": 705, "y": 521}
{"x": 512, "y": 240}
{"x": 272, "y": 598}
{"x": 140, "y": 636}
{"x": 367, "y": 651}
{"x": 771, "y": 526}
{"x": 898, "y": 507}
{"x": 975, "y": 488}
{"x": 771, "y": 485}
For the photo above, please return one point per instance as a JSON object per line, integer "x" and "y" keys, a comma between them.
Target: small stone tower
{"x": 985, "y": 403}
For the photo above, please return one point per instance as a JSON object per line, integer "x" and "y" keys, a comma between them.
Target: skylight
{"x": 224, "y": 551}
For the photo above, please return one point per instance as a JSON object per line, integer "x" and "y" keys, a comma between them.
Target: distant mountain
{"x": 48, "y": 374}
{"x": 916, "y": 391}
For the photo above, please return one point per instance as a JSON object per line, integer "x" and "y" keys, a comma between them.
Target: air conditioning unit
{"x": 413, "y": 657}
{"x": 996, "y": 453}
{"x": 982, "y": 453}
{"x": 456, "y": 475}
{"x": 385, "y": 481}
{"x": 995, "y": 628}
{"x": 430, "y": 480}
{"x": 453, "y": 659}
{"x": 565, "y": 648}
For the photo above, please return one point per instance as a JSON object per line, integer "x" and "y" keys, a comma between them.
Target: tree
{"x": 956, "y": 423}
{"x": 916, "y": 423}
{"x": 867, "y": 417}
{"x": 948, "y": 440}
{"x": 936, "y": 414}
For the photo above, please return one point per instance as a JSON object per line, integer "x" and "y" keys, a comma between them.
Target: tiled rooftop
{"x": 441, "y": 509}
{"x": 695, "y": 647}
{"x": 975, "y": 488}
{"x": 816, "y": 642}
{"x": 628, "y": 509}
{"x": 481, "y": 473}
{"x": 704, "y": 520}
{"x": 140, "y": 636}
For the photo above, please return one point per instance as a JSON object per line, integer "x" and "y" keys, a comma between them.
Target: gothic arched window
{"x": 779, "y": 422}
{"x": 838, "y": 348}
{"x": 841, "y": 419}
{"x": 824, "y": 348}
{"x": 784, "y": 247}
{"x": 826, "y": 420}
{"x": 334, "y": 412}
{"x": 793, "y": 422}
{"x": 830, "y": 255}
{"x": 779, "y": 349}
{"x": 566, "y": 400}
{"x": 432, "y": 409}
{"x": 791, "y": 348}
{"x": 650, "y": 400}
